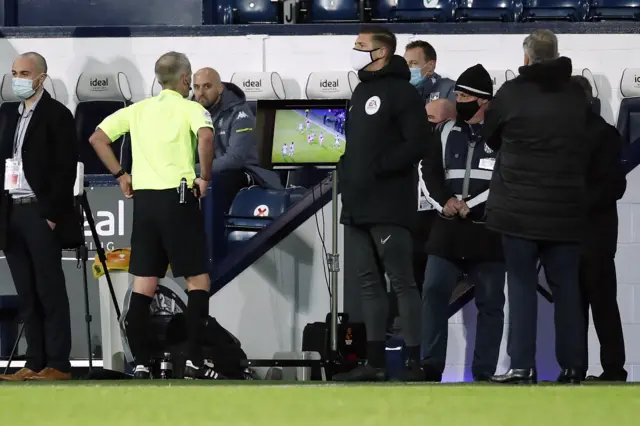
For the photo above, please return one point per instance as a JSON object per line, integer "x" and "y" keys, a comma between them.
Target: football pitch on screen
{"x": 287, "y": 131}
{"x": 176, "y": 403}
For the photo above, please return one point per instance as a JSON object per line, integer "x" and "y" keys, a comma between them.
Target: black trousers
{"x": 599, "y": 292}
{"x": 561, "y": 262}
{"x": 35, "y": 261}
{"x": 441, "y": 278}
{"x": 389, "y": 248}
{"x": 224, "y": 187}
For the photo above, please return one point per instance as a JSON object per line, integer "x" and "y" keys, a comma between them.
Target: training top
{"x": 163, "y": 133}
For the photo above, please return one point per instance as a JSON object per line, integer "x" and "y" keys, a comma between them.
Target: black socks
{"x": 137, "y": 326}
{"x": 196, "y": 316}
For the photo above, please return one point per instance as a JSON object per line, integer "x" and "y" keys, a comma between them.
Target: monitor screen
{"x": 308, "y": 136}
{"x": 301, "y": 132}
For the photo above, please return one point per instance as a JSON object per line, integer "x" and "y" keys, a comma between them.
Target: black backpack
{"x": 218, "y": 345}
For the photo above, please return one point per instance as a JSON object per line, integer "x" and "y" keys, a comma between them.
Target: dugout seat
{"x": 499, "y": 77}
{"x": 100, "y": 95}
{"x": 251, "y": 211}
{"x": 156, "y": 89}
{"x": 331, "y": 85}
{"x": 296, "y": 193}
{"x": 615, "y": 9}
{"x": 629, "y": 115}
{"x": 586, "y": 73}
{"x": 258, "y": 86}
{"x": 424, "y": 10}
{"x": 489, "y": 10}
{"x": 563, "y": 10}
{"x": 9, "y": 101}
{"x": 335, "y": 10}
{"x": 256, "y": 12}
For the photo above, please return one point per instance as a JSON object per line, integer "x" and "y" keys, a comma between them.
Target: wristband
{"x": 119, "y": 174}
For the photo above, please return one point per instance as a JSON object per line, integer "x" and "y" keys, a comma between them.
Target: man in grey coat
{"x": 235, "y": 165}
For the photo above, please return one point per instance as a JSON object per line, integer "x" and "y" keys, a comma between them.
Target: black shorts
{"x": 165, "y": 233}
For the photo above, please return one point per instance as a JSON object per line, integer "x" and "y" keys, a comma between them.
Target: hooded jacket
{"x": 387, "y": 132}
{"x": 235, "y": 138}
{"x": 437, "y": 87}
{"x": 538, "y": 123}
{"x": 606, "y": 184}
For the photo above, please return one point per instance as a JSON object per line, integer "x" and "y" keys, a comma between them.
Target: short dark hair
{"x": 427, "y": 49}
{"x": 585, "y": 84}
{"x": 382, "y": 36}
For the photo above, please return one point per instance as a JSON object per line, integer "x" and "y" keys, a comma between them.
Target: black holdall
{"x": 218, "y": 345}
{"x": 352, "y": 344}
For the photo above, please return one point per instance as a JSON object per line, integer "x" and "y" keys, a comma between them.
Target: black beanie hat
{"x": 475, "y": 81}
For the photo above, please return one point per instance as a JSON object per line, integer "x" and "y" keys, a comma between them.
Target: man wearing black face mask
{"x": 457, "y": 175}
{"x": 388, "y": 132}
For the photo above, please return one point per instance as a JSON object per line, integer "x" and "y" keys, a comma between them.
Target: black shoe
{"x": 620, "y": 376}
{"x": 362, "y": 373}
{"x": 142, "y": 372}
{"x": 412, "y": 372}
{"x": 517, "y": 376}
{"x": 482, "y": 377}
{"x": 570, "y": 376}
{"x": 201, "y": 372}
{"x": 431, "y": 373}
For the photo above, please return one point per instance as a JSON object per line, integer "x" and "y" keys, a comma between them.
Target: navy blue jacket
{"x": 461, "y": 166}
{"x": 437, "y": 87}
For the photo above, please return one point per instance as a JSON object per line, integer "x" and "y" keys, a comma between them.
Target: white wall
{"x": 294, "y": 58}
{"x": 268, "y": 305}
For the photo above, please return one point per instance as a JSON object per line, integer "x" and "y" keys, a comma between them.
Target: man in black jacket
{"x": 387, "y": 132}
{"x": 538, "y": 201}
{"x": 457, "y": 174}
{"x": 606, "y": 182}
{"x": 40, "y": 137}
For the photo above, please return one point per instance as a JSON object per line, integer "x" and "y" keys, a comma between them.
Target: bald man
{"x": 232, "y": 118}
{"x": 37, "y": 215}
{"x": 440, "y": 110}
{"x": 235, "y": 149}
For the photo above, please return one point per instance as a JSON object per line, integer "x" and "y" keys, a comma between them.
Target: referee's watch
{"x": 119, "y": 174}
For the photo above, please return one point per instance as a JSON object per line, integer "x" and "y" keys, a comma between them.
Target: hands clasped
{"x": 455, "y": 207}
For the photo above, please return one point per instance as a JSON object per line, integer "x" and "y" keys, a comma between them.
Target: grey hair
{"x": 540, "y": 46}
{"x": 41, "y": 63}
{"x": 170, "y": 67}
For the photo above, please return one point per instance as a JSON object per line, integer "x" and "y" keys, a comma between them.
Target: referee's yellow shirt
{"x": 163, "y": 133}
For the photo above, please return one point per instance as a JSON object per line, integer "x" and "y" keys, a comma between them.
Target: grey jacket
{"x": 235, "y": 138}
{"x": 437, "y": 87}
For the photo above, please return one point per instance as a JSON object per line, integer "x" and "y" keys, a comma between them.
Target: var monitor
{"x": 302, "y": 133}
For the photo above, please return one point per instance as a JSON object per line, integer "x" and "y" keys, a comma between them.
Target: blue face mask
{"x": 416, "y": 76}
{"x": 23, "y": 88}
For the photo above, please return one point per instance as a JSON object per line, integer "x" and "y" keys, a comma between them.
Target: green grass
{"x": 286, "y": 131}
{"x": 175, "y": 403}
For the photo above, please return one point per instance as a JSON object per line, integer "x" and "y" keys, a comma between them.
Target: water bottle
{"x": 166, "y": 367}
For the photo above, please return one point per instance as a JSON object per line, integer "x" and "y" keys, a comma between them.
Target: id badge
{"x": 487, "y": 163}
{"x": 423, "y": 204}
{"x": 12, "y": 174}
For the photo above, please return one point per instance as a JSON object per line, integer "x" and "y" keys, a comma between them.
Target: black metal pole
{"x": 83, "y": 255}
{"x": 100, "y": 250}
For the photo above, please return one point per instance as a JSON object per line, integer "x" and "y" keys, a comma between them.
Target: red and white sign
{"x": 261, "y": 210}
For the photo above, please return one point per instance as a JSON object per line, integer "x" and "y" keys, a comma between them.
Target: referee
{"x": 168, "y": 227}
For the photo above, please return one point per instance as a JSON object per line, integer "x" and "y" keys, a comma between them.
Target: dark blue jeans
{"x": 222, "y": 190}
{"x": 441, "y": 277}
{"x": 561, "y": 262}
